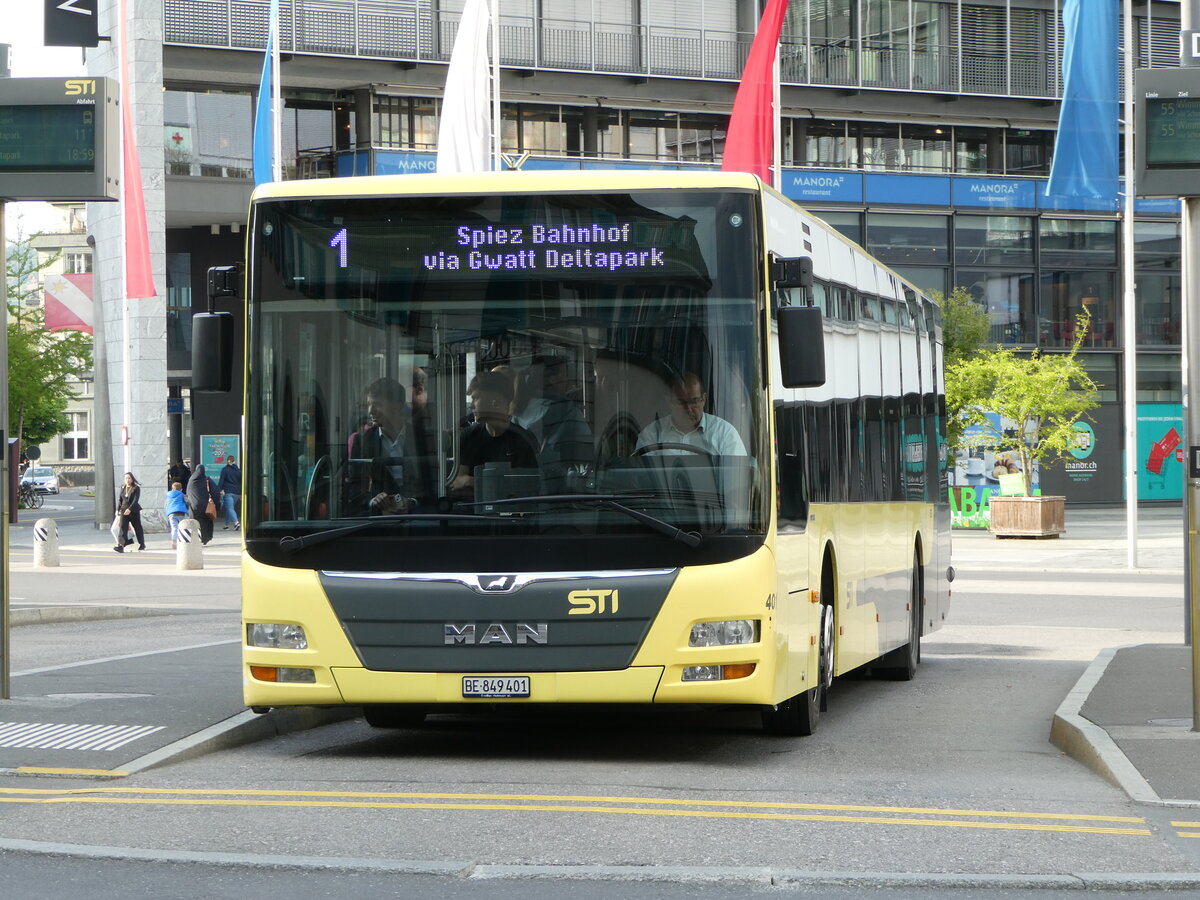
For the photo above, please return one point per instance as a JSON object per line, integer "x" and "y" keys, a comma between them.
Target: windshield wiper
{"x": 292, "y": 544}
{"x": 607, "y": 501}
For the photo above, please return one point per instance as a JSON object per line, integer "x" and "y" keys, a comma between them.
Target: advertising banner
{"x": 1160, "y": 451}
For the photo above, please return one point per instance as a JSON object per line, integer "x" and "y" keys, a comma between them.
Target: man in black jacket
{"x": 383, "y": 474}
{"x": 229, "y": 486}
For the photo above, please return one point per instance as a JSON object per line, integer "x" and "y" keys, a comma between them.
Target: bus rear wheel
{"x": 393, "y": 715}
{"x": 798, "y": 716}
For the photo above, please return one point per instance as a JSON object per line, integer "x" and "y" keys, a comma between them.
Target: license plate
{"x": 495, "y": 687}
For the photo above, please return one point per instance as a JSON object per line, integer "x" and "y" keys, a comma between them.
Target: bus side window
{"x": 793, "y": 489}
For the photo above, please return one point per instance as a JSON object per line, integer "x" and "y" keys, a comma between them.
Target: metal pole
{"x": 1130, "y": 302}
{"x": 1189, "y": 18}
{"x": 5, "y": 495}
{"x": 4, "y": 474}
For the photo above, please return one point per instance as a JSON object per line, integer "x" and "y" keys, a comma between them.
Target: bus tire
{"x": 901, "y": 664}
{"x": 393, "y": 715}
{"x": 798, "y": 716}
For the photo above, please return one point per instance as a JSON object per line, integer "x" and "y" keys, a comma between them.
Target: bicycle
{"x": 29, "y": 498}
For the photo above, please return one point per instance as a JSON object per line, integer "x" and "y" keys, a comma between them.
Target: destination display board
{"x": 58, "y": 139}
{"x": 1167, "y": 132}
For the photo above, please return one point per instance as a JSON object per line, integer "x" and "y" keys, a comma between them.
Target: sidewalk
{"x": 1129, "y": 717}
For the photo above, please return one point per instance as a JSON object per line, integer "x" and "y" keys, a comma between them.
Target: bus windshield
{"x": 449, "y": 372}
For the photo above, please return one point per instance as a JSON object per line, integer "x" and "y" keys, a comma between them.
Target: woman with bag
{"x": 201, "y": 501}
{"x": 130, "y": 509}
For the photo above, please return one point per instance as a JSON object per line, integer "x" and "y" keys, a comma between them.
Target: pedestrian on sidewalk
{"x": 200, "y": 492}
{"x": 229, "y": 485}
{"x": 176, "y": 509}
{"x": 130, "y": 508}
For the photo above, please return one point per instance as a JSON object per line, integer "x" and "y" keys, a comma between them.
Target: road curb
{"x": 1088, "y": 743}
{"x": 244, "y": 728}
{"x": 54, "y": 615}
{"x": 748, "y": 875}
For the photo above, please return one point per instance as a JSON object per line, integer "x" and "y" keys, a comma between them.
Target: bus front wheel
{"x": 797, "y": 716}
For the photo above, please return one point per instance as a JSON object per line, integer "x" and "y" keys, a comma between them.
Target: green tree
{"x": 965, "y": 324}
{"x": 965, "y": 327}
{"x": 43, "y": 365}
{"x": 1039, "y": 398}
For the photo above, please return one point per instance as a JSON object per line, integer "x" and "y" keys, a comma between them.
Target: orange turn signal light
{"x": 739, "y": 671}
{"x": 265, "y": 673}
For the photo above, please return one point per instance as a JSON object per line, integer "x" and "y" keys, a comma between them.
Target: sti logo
{"x": 78, "y": 86}
{"x": 586, "y": 603}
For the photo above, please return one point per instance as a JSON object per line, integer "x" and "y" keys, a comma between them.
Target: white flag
{"x": 465, "y": 133}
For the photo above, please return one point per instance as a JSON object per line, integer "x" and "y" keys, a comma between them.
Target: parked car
{"x": 42, "y": 478}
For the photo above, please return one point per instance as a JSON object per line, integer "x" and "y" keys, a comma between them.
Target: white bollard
{"x": 189, "y": 552}
{"x": 45, "y": 543}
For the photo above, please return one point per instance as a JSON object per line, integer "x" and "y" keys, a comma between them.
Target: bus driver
{"x": 689, "y": 424}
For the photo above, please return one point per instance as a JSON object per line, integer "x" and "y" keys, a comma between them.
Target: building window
{"x": 179, "y": 302}
{"x": 75, "y": 440}
{"x": 1158, "y": 284}
{"x": 909, "y": 239}
{"x": 77, "y": 263}
{"x": 1067, "y": 295}
{"x": 1010, "y": 299}
{"x": 208, "y": 133}
{"x": 993, "y": 241}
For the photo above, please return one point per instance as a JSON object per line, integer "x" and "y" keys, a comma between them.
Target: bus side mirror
{"x": 801, "y": 347}
{"x": 212, "y": 352}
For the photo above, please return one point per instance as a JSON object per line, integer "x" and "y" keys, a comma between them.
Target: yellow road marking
{"x": 42, "y": 770}
{"x": 73, "y": 798}
{"x": 1188, "y": 834}
{"x": 656, "y": 801}
{"x": 1186, "y": 824}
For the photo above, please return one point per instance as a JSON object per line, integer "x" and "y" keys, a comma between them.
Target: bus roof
{"x": 533, "y": 182}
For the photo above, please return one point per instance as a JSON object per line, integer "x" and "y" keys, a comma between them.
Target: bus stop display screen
{"x": 1172, "y": 132}
{"x": 56, "y": 138}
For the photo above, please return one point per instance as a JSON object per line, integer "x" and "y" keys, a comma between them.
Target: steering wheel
{"x": 650, "y": 448}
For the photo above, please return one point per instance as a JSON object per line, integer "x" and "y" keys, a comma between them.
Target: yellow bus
{"x": 580, "y": 437}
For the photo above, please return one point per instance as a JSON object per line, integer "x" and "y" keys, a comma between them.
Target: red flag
{"x": 68, "y": 300}
{"x": 750, "y": 140}
{"x": 139, "y": 277}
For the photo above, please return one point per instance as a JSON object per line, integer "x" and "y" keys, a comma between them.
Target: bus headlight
{"x": 286, "y": 637}
{"x": 720, "y": 634}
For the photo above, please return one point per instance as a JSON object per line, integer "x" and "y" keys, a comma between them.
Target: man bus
{"x": 671, "y": 571}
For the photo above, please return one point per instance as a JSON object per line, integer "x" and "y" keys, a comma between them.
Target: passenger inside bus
{"x": 564, "y": 441}
{"x": 493, "y": 438}
{"x": 687, "y": 425}
{"x": 382, "y": 473}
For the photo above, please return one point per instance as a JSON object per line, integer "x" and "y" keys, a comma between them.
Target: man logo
{"x": 470, "y": 634}
{"x": 77, "y": 86}
{"x": 496, "y": 583}
{"x": 586, "y": 603}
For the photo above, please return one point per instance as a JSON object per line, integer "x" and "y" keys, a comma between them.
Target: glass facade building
{"x": 922, "y": 129}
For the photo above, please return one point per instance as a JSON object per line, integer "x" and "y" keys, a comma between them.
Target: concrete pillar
{"x": 189, "y": 552}
{"x": 45, "y": 544}
{"x": 137, "y": 369}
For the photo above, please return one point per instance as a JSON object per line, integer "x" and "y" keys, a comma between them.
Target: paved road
{"x": 952, "y": 773}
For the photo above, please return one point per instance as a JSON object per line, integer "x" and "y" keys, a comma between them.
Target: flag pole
{"x": 1129, "y": 297}
{"x": 496, "y": 160}
{"x": 276, "y": 98}
{"x": 126, "y": 96}
{"x": 777, "y": 115}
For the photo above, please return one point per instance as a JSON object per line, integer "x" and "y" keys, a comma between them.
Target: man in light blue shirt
{"x": 689, "y": 425}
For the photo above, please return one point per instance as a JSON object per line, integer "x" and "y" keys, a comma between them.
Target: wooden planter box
{"x": 1028, "y": 517}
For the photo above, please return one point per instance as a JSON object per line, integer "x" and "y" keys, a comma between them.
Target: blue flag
{"x": 1086, "y": 150}
{"x": 264, "y": 126}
